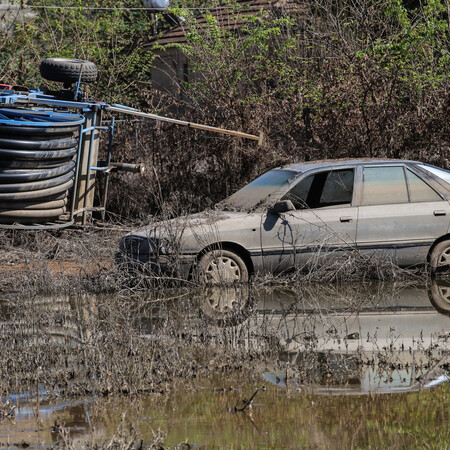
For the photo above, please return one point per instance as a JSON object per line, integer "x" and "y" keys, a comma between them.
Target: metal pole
{"x": 135, "y": 112}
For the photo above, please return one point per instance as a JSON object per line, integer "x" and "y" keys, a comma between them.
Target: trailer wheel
{"x": 68, "y": 70}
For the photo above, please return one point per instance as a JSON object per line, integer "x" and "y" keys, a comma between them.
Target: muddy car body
{"x": 300, "y": 214}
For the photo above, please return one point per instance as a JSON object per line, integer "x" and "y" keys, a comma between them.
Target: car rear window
{"x": 437, "y": 171}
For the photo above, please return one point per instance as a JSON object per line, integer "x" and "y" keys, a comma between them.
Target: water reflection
{"x": 349, "y": 339}
{"x": 320, "y": 339}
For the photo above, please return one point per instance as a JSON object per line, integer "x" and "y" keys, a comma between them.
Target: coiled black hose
{"x": 38, "y": 151}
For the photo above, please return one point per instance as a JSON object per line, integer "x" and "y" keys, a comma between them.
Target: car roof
{"x": 310, "y": 165}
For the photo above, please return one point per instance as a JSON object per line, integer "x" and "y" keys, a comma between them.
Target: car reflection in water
{"x": 376, "y": 339}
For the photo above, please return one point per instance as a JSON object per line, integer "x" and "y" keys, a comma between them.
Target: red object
{"x": 6, "y": 87}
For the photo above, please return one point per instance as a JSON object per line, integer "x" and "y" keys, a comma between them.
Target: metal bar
{"x": 105, "y": 195}
{"x": 80, "y": 193}
{"x": 126, "y": 110}
{"x": 78, "y": 83}
{"x": 135, "y": 112}
{"x": 48, "y": 226}
{"x": 110, "y": 145}
{"x": 89, "y": 182}
{"x": 52, "y": 102}
{"x": 77, "y": 171}
{"x": 88, "y": 209}
{"x": 86, "y": 130}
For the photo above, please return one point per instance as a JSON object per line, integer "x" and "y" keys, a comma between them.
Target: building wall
{"x": 170, "y": 70}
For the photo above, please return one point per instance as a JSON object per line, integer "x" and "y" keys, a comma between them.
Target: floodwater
{"x": 320, "y": 366}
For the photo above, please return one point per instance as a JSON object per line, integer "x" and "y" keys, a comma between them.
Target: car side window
{"x": 329, "y": 188}
{"x": 419, "y": 191}
{"x": 338, "y": 188}
{"x": 384, "y": 185}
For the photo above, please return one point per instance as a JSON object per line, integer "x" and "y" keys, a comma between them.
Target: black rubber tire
{"x": 234, "y": 268}
{"x": 19, "y": 164}
{"x": 32, "y": 214}
{"x": 37, "y": 163}
{"x": 68, "y": 70}
{"x": 440, "y": 258}
{"x": 38, "y": 194}
{"x": 33, "y": 205}
{"x": 37, "y": 185}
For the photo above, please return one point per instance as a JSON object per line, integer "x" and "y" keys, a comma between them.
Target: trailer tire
{"x": 67, "y": 70}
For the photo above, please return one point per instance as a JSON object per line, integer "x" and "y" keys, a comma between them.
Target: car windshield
{"x": 441, "y": 173}
{"x": 259, "y": 190}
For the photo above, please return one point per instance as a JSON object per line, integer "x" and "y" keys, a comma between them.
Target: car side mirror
{"x": 281, "y": 207}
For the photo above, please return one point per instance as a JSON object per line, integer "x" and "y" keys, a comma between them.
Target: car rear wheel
{"x": 440, "y": 295}
{"x": 222, "y": 267}
{"x": 440, "y": 258}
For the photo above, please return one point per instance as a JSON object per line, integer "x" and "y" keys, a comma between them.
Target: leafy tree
{"x": 112, "y": 38}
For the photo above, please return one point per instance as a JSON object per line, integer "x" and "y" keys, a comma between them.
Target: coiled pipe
{"x": 38, "y": 151}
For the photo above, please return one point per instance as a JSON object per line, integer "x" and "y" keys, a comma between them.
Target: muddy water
{"x": 329, "y": 367}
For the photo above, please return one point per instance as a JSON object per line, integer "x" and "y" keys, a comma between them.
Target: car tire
{"x": 221, "y": 267}
{"x": 439, "y": 294}
{"x": 440, "y": 258}
{"x": 68, "y": 70}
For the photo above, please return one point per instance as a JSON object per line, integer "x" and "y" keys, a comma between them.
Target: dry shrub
{"x": 328, "y": 80}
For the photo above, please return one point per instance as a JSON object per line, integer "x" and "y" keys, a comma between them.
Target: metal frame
{"x": 87, "y": 155}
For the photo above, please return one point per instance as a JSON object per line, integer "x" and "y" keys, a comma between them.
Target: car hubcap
{"x": 222, "y": 270}
{"x": 223, "y": 300}
{"x": 444, "y": 258}
{"x": 444, "y": 294}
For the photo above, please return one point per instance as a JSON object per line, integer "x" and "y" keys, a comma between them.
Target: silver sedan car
{"x": 304, "y": 212}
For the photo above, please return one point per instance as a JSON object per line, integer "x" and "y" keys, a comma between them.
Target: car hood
{"x": 198, "y": 230}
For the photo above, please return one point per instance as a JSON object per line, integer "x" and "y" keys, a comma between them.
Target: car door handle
{"x": 346, "y": 219}
{"x": 439, "y": 212}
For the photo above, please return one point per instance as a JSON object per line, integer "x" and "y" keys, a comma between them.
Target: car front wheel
{"x": 222, "y": 267}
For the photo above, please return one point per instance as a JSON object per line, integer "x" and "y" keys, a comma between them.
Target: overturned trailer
{"x": 49, "y": 149}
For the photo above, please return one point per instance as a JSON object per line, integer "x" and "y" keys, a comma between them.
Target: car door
{"x": 400, "y": 214}
{"x": 323, "y": 222}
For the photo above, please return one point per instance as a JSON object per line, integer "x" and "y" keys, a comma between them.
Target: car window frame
{"x": 383, "y": 166}
{"x": 405, "y": 169}
{"x": 315, "y": 171}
